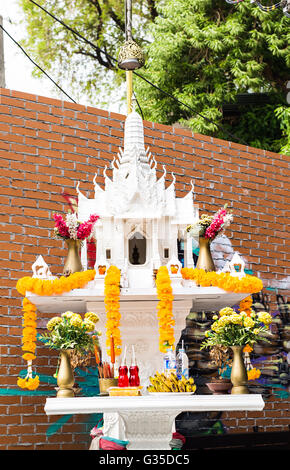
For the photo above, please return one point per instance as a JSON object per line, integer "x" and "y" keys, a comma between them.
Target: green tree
{"x": 205, "y": 53}
{"x": 71, "y": 61}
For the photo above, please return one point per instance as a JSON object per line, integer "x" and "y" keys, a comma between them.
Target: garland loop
{"x": 112, "y": 305}
{"x": 164, "y": 309}
{"x": 247, "y": 284}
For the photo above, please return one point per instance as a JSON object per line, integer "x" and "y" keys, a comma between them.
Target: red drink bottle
{"x": 134, "y": 379}
{"x": 123, "y": 380}
{"x": 134, "y": 371}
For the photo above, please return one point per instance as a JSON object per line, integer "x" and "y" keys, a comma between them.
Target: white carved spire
{"x": 134, "y": 148}
{"x": 134, "y": 133}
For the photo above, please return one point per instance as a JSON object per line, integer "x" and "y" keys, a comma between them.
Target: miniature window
{"x": 137, "y": 249}
{"x": 108, "y": 254}
{"x": 166, "y": 252}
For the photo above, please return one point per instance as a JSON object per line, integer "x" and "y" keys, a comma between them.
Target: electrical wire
{"x": 76, "y": 33}
{"x": 35, "y": 64}
{"x": 270, "y": 7}
{"x": 282, "y": 3}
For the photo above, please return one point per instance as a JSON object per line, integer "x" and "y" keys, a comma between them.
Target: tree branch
{"x": 152, "y": 9}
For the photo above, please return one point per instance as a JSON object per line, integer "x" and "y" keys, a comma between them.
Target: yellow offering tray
{"x": 124, "y": 391}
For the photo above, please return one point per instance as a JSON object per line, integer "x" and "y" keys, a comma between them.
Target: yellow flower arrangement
{"x": 112, "y": 305}
{"x": 70, "y": 331}
{"x": 164, "y": 309}
{"x": 247, "y": 284}
{"x": 236, "y": 329}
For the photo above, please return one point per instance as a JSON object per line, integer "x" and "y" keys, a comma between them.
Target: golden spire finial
{"x": 130, "y": 55}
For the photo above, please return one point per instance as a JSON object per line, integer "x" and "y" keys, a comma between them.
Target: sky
{"x": 18, "y": 68}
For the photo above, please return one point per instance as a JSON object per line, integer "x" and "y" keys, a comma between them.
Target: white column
{"x": 155, "y": 244}
{"x": 173, "y": 240}
{"x": 119, "y": 243}
{"x": 84, "y": 255}
{"x": 98, "y": 234}
{"x": 188, "y": 257}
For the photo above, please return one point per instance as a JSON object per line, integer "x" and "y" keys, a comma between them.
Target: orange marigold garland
{"x": 42, "y": 287}
{"x": 164, "y": 309}
{"x": 29, "y": 344}
{"x": 252, "y": 372}
{"x": 56, "y": 286}
{"x": 245, "y": 305}
{"x": 247, "y": 284}
{"x": 112, "y": 305}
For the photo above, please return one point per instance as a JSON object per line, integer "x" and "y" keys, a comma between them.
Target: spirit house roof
{"x": 134, "y": 190}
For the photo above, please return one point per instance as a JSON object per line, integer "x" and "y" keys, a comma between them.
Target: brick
{"x": 44, "y": 144}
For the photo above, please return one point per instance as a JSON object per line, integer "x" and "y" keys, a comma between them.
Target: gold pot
{"x": 205, "y": 260}
{"x": 73, "y": 262}
{"x": 65, "y": 377}
{"x": 239, "y": 376}
{"x": 105, "y": 384}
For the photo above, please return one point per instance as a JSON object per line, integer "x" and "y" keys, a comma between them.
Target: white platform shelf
{"x": 77, "y": 300}
{"x": 148, "y": 420}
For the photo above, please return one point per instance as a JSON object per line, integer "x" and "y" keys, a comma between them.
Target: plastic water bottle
{"x": 182, "y": 363}
{"x": 169, "y": 362}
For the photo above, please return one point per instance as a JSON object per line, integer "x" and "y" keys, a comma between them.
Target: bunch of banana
{"x": 162, "y": 383}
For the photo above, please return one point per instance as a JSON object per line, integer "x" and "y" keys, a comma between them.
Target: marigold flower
{"x": 51, "y": 324}
{"x": 67, "y": 314}
{"x": 265, "y": 317}
{"x": 164, "y": 309}
{"x": 112, "y": 305}
{"x": 92, "y": 316}
{"x": 76, "y": 320}
{"x": 226, "y": 311}
{"x": 89, "y": 325}
{"x": 248, "y": 322}
{"x": 236, "y": 319}
{"x": 253, "y": 374}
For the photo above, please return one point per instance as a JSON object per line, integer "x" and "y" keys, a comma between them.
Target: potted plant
{"x": 70, "y": 333}
{"x": 73, "y": 232}
{"x": 221, "y": 358}
{"x": 236, "y": 331}
{"x": 207, "y": 228}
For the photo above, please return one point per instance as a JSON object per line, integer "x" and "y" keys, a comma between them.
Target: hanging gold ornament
{"x": 131, "y": 56}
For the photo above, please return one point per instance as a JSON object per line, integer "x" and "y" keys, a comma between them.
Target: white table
{"x": 148, "y": 420}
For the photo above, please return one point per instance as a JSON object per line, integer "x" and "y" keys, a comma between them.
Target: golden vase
{"x": 239, "y": 376}
{"x": 205, "y": 260}
{"x": 65, "y": 377}
{"x": 73, "y": 262}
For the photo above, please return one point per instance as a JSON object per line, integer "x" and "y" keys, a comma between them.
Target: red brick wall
{"x": 46, "y": 147}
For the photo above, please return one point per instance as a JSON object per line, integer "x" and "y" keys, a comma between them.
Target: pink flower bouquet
{"x": 209, "y": 226}
{"x": 71, "y": 227}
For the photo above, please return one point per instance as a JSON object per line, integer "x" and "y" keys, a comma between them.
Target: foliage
{"x": 70, "y": 332}
{"x": 72, "y": 62}
{"x": 204, "y": 52}
{"x": 236, "y": 329}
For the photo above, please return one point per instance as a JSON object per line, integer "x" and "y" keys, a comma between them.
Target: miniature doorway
{"x": 137, "y": 249}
